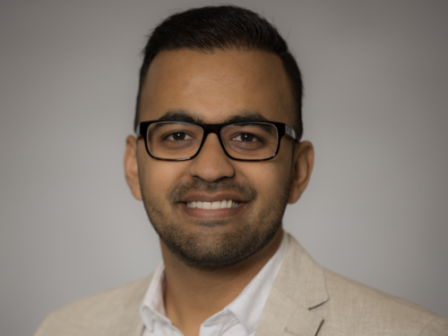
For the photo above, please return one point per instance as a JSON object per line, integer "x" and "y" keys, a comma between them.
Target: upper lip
{"x": 204, "y": 197}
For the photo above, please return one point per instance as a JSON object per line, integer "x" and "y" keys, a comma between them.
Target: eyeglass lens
{"x": 180, "y": 140}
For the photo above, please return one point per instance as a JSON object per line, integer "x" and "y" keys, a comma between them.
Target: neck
{"x": 193, "y": 295}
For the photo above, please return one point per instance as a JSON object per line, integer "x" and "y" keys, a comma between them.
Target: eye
{"x": 246, "y": 137}
{"x": 178, "y": 136}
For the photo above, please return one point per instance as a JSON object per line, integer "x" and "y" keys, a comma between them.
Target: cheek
{"x": 268, "y": 178}
{"x": 158, "y": 177}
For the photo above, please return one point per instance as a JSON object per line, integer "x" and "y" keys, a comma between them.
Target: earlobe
{"x": 131, "y": 167}
{"x": 302, "y": 167}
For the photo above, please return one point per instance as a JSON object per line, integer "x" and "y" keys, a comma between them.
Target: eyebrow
{"x": 184, "y": 115}
{"x": 180, "y": 115}
{"x": 245, "y": 116}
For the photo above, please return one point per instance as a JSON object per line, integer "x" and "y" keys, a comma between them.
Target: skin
{"x": 214, "y": 87}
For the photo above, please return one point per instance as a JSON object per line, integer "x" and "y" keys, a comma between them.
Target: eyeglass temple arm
{"x": 290, "y": 131}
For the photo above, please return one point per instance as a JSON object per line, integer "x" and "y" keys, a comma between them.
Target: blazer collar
{"x": 299, "y": 287}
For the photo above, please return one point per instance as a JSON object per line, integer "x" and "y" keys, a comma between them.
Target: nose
{"x": 211, "y": 164}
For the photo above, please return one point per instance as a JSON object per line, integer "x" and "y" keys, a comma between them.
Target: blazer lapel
{"x": 126, "y": 319}
{"x": 132, "y": 326}
{"x": 298, "y": 288}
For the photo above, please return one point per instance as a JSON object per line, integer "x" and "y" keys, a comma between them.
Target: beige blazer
{"x": 305, "y": 300}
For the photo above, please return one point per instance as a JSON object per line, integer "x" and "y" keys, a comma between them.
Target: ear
{"x": 302, "y": 167}
{"x": 131, "y": 167}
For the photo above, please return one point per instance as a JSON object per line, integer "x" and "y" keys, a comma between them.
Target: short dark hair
{"x": 221, "y": 27}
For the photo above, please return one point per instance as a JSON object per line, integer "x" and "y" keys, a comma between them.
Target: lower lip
{"x": 215, "y": 214}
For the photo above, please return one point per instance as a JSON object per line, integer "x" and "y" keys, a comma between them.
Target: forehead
{"x": 214, "y": 86}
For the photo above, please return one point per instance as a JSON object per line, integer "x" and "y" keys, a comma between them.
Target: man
{"x": 215, "y": 160}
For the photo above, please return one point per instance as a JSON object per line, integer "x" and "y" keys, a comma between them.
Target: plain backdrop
{"x": 375, "y": 107}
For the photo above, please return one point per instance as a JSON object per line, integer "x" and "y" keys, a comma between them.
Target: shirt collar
{"x": 153, "y": 306}
{"x": 247, "y": 307}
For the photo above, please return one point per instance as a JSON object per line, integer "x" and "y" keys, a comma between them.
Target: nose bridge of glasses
{"x": 215, "y": 129}
{"x": 211, "y": 129}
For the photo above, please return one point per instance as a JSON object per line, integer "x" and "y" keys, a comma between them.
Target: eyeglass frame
{"x": 282, "y": 130}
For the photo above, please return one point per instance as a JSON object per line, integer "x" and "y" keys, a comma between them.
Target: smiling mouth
{"x": 224, "y": 204}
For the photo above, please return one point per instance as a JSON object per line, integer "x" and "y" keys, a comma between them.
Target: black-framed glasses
{"x": 242, "y": 141}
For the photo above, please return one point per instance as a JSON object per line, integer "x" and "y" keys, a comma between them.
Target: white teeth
{"x": 224, "y": 204}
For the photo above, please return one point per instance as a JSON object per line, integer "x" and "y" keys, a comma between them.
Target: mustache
{"x": 178, "y": 192}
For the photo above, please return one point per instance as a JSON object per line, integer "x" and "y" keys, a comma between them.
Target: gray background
{"x": 375, "y": 107}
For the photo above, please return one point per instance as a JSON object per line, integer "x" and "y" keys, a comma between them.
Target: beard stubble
{"x": 226, "y": 248}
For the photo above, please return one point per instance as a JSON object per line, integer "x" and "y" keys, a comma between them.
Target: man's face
{"x": 213, "y": 88}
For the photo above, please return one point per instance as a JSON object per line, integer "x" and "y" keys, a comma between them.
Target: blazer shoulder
{"x": 350, "y": 300}
{"x": 437, "y": 326}
{"x": 83, "y": 316}
{"x": 339, "y": 285}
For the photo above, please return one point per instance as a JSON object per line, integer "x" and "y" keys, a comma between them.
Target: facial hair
{"x": 229, "y": 248}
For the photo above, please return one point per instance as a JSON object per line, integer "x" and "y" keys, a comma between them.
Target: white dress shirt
{"x": 239, "y": 318}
